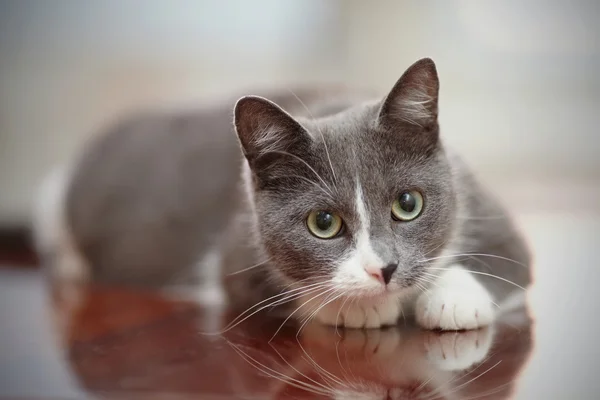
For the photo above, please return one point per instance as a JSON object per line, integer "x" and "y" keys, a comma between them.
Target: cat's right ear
{"x": 414, "y": 98}
{"x": 264, "y": 128}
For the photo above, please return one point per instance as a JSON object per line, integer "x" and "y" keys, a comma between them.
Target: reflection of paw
{"x": 373, "y": 342}
{"x": 361, "y": 315}
{"x": 358, "y": 344}
{"x": 455, "y": 351}
{"x": 457, "y": 301}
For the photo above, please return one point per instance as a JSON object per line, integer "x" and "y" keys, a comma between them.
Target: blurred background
{"x": 520, "y": 89}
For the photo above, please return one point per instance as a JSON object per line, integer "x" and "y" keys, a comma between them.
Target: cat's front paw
{"x": 368, "y": 315}
{"x": 456, "y": 302}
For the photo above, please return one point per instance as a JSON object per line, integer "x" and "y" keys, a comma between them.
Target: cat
{"x": 347, "y": 210}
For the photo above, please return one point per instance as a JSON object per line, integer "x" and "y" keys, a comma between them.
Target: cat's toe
{"x": 454, "y": 310}
{"x": 389, "y": 312}
{"x": 372, "y": 318}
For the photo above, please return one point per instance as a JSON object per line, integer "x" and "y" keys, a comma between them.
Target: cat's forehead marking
{"x": 360, "y": 206}
{"x": 364, "y": 247}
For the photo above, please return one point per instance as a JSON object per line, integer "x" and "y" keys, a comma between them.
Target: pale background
{"x": 520, "y": 83}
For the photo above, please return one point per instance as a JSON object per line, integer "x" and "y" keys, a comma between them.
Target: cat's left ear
{"x": 414, "y": 98}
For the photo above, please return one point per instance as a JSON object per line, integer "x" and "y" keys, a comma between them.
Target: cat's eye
{"x": 407, "y": 206}
{"x": 324, "y": 224}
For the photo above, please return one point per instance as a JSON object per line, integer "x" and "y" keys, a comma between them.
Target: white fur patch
{"x": 456, "y": 301}
{"x": 352, "y": 273}
{"x": 209, "y": 268}
{"x": 375, "y": 308}
{"x": 51, "y": 234}
{"x": 370, "y": 313}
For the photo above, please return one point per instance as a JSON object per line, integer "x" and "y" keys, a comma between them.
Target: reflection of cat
{"x": 398, "y": 363}
{"x": 354, "y": 213}
{"x": 133, "y": 343}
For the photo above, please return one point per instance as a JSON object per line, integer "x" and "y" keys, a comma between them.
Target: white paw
{"x": 457, "y": 351}
{"x": 351, "y": 314}
{"x": 455, "y": 302}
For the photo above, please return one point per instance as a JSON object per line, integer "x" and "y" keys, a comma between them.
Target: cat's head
{"x": 357, "y": 199}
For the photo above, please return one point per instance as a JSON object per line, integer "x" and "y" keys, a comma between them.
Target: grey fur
{"x": 155, "y": 193}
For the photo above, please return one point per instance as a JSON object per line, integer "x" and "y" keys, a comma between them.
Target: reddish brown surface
{"x": 121, "y": 343}
{"x": 127, "y": 342}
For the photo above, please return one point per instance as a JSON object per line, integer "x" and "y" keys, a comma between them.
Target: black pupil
{"x": 324, "y": 220}
{"x": 407, "y": 202}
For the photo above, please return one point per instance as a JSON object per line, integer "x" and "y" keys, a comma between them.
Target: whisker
{"x": 473, "y": 379}
{"x": 327, "y": 373}
{"x": 489, "y": 267}
{"x": 323, "y": 304}
{"x": 489, "y": 392}
{"x": 249, "y": 268}
{"x": 285, "y": 153}
{"x": 320, "y": 133}
{"x": 296, "y": 310}
{"x": 283, "y": 294}
{"x": 297, "y": 371}
{"x": 486, "y": 274}
{"x": 298, "y": 293}
{"x": 435, "y": 283}
{"x": 437, "y": 247}
{"x": 337, "y": 318}
{"x": 475, "y": 255}
{"x": 274, "y": 374}
{"x": 337, "y": 353}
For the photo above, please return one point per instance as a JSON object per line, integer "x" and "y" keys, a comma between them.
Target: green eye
{"x": 323, "y": 224}
{"x": 407, "y": 206}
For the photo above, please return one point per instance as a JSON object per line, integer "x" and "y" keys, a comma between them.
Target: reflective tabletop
{"x": 77, "y": 342}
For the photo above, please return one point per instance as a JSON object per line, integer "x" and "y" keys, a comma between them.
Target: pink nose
{"x": 382, "y": 274}
{"x": 375, "y": 272}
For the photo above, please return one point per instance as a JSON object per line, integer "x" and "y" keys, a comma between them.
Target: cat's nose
{"x": 384, "y": 275}
{"x": 388, "y": 271}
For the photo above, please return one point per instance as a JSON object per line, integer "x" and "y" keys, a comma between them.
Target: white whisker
{"x": 287, "y": 297}
{"x": 485, "y": 274}
{"x": 474, "y": 255}
{"x": 299, "y": 372}
{"x": 473, "y": 379}
{"x": 296, "y": 310}
{"x": 285, "y": 153}
{"x": 248, "y": 269}
{"x": 320, "y": 133}
{"x": 337, "y": 318}
{"x": 278, "y": 375}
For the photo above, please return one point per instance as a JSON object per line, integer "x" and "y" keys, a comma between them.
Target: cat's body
{"x": 168, "y": 199}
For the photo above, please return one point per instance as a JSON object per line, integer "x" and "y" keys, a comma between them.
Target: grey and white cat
{"x": 352, "y": 212}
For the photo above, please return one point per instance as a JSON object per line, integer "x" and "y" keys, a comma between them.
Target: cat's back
{"x": 141, "y": 189}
